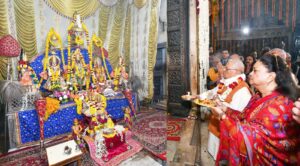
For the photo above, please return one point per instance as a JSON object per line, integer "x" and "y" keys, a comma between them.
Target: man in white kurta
{"x": 233, "y": 92}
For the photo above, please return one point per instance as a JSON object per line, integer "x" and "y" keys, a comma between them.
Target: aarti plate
{"x": 205, "y": 102}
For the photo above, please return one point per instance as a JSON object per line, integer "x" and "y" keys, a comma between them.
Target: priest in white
{"x": 233, "y": 92}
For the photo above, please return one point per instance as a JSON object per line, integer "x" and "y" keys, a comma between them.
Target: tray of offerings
{"x": 205, "y": 102}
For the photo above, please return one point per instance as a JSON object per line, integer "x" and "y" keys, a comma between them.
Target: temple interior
{"x": 149, "y": 82}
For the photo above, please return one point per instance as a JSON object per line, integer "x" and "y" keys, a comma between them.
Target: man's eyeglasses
{"x": 227, "y": 69}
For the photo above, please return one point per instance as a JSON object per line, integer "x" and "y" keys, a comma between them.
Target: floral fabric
{"x": 265, "y": 134}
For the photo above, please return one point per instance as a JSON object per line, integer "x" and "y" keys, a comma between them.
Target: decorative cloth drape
{"x": 152, "y": 47}
{"x": 130, "y": 30}
{"x": 3, "y": 18}
{"x": 109, "y": 3}
{"x": 3, "y": 31}
{"x": 115, "y": 33}
{"x": 67, "y": 8}
{"x": 127, "y": 38}
{"x": 140, "y": 3}
{"x": 104, "y": 14}
{"x": 25, "y": 25}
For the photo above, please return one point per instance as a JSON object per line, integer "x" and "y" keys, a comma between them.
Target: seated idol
{"x": 55, "y": 81}
{"x": 78, "y": 69}
{"x": 98, "y": 75}
{"x": 119, "y": 75}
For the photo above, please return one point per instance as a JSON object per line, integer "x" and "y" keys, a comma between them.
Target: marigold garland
{"x": 71, "y": 64}
{"x": 222, "y": 88}
{"x": 52, "y": 106}
{"x": 49, "y": 43}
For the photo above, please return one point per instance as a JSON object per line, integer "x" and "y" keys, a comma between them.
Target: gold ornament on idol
{"x": 98, "y": 43}
{"x": 53, "y": 41}
{"x": 77, "y": 27}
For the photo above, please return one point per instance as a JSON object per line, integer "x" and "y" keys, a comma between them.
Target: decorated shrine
{"x": 74, "y": 90}
{"x": 149, "y": 82}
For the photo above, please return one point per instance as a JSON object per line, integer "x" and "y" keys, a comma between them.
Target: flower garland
{"x": 78, "y": 102}
{"x": 49, "y": 43}
{"x": 79, "y": 42}
{"x": 98, "y": 43}
{"x": 223, "y": 90}
{"x": 54, "y": 78}
{"x": 80, "y": 73}
{"x": 52, "y": 106}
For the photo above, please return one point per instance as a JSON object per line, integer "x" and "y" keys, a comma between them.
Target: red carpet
{"x": 150, "y": 130}
{"x": 174, "y": 127}
{"x": 117, "y": 155}
{"x": 31, "y": 156}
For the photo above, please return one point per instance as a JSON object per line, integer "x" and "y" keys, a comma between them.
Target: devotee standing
{"x": 213, "y": 75}
{"x": 249, "y": 62}
{"x": 225, "y": 57}
{"x": 266, "y": 133}
{"x": 230, "y": 91}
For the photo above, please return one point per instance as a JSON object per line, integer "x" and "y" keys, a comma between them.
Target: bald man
{"x": 233, "y": 92}
{"x": 234, "y": 88}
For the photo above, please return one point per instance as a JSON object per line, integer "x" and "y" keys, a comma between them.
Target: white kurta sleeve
{"x": 210, "y": 94}
{"x": 240, "y": 99}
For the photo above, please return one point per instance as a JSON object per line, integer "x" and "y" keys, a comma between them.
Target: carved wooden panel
{"x": 177, "y": 15}
{"x": 175, "y": 58}
{"x": 173, "y": 48}
{"x": 174, "y": 97}
{"x": 173, "y": 18}
{"x": 173, "y": 3}
{"x": 175, "y": 77}
{"x": 174, "y": 38}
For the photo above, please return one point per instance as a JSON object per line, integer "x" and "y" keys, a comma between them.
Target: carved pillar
{"x": 178, "y": 66}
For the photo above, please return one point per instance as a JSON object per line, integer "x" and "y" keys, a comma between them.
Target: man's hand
{"x": 296, "y": 111}
{"x": 220, "y": 109}
{"x": 219, "y": 112}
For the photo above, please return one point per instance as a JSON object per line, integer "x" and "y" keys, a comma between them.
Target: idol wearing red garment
{"x": 266, "y": 133}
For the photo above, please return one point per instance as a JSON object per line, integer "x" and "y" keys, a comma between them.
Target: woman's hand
{"x": 296, "y": 111}
{"x": 218, "y": 111}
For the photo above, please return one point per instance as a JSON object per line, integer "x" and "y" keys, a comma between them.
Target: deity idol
{"x": 77, "y": 131}
{"x": 27, "y": 75}
{"x": 79, "y": 70}
{"x": 98, "y": 75}
{"x": 119, "y": 74}
{"x": 54, "y": 77}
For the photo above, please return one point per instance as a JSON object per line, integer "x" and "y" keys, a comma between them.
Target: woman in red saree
{"x": 265, "y": 133}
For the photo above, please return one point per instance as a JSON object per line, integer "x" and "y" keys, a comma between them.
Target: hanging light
{"x": 246, "y": 30}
